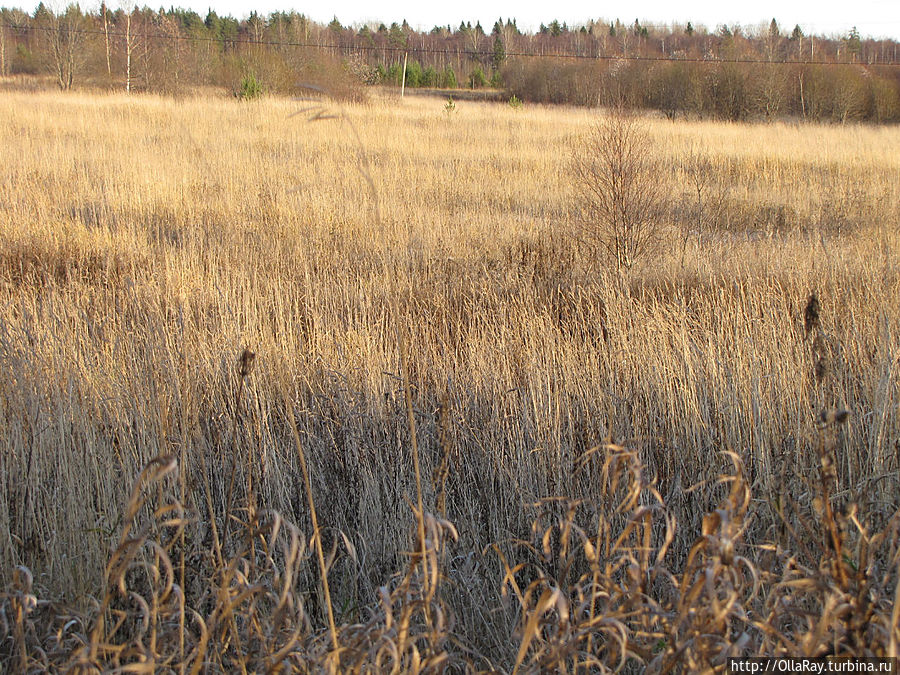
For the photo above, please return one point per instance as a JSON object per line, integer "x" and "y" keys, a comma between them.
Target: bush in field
{"x": 414, "y": 75}
{"x": 477, "y": 78}
{"x": 429, "y": 77}
{"x": 621, "y": 199}
{"x": 250, "y": 88}
{"x": 448, "y": 78}
{"x": 394, "y": 74}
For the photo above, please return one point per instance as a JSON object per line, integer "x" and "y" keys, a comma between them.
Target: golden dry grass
{"x": 146, "y": 242}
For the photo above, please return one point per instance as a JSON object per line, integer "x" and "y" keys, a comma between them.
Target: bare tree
{"x": 850, "y": 94}
{"x": 130, "y": 43}
{"x": 621, "y": 189}
{"x": 770, "y": 87}
{"x": 65, "y": 37}
{"x": 136, "y": 45}
{"x": 171, "y": 53}
{"x": 103, "y": 11}
{"x": 257, "y": 26}
{"x": 703, "y": 198}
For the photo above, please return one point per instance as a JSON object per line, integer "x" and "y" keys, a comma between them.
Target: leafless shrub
{"x": 621, "y": 189}
{"x": 702, "y": 201}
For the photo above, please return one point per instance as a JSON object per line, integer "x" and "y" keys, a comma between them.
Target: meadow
{"x": 519, "y": 459}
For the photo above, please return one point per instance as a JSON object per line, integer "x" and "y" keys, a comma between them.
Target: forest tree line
{"x": 730, "y": 72}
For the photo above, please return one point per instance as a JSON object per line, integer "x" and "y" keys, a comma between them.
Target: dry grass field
{"x": 146, "y": 242}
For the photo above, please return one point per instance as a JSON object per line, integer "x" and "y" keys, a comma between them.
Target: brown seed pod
{"x": 246, "y": 362}
{"x": 811, "y": 313}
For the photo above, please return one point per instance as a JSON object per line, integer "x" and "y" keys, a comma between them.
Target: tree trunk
{"x": 106, "y": 34}
{"x": 71, "y": 52}
{"x": 128, "y": 48}
{"x": 2, "y": 50}
{"x": 59, "y": 58}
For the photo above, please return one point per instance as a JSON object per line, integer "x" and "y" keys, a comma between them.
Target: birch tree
{"x": 65, "y": 37}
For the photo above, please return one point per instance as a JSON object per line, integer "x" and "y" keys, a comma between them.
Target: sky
{"x": 873, "y": 18}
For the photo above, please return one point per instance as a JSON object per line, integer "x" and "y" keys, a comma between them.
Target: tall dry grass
{"x": 148, "y": 242}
